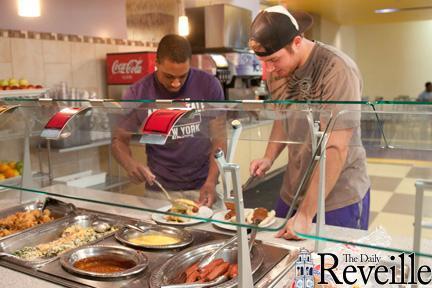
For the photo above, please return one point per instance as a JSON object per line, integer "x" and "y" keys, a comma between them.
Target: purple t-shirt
{"x": 183, "y": 162}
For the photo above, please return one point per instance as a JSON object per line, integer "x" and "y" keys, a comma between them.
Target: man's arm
{"x": 336, "y": 153}
{"x": 137, "y": 172}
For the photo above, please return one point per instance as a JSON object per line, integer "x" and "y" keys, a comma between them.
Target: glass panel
{"x": 377, "y": 178}
{"x": 101, "y": 150}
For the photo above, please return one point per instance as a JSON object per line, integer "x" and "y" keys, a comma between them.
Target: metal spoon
{"x": 139, "y": 229}
{"x": 217, "y": 281}
{"x": 173, "y": 202}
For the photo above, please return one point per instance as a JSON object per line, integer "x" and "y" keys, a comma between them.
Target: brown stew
{"x": 104, "y": 264}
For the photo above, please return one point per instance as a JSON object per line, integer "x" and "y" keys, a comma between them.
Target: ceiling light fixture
{"x": 394, "y": 10}
{"x": 29, "y": 8}
{"x": 183, "y": 21}
{"x": 387, "y": 10}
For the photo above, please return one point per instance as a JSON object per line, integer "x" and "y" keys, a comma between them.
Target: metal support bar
{"x": 420, "y": 185}
{"x": 245, "y": 279}
{"x": 27, "y": 179}
{"x": 320, "y": 223}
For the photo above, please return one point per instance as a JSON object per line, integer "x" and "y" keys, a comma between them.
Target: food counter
{"x": 21, "y": 280}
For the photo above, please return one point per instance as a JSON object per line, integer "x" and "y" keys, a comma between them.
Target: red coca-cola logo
{"x": 133, "y": 66}
{"x": 127, "y": 68}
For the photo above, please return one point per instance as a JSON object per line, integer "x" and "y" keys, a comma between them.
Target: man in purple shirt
{"x": 186, "y": 162}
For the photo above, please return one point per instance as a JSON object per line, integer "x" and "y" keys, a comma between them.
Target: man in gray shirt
{"x": 426, "y": 96}
{"x": 300, "y": 69}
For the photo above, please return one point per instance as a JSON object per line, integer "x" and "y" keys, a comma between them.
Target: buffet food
{"x": 155, "y": 239}
{"x": 23, "y": 220}
{"x": 210, "y": 272}
{"x": 258, "y": 216}
{"x": 104, "y": 264}
{"x": 72, "y": 237}
{"x": 182, "y": 206}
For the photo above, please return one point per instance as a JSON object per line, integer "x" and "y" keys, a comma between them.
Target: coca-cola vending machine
{"x": 124, "y": 69}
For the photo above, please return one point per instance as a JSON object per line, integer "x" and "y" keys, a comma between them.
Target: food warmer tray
{"x": 49, "y": 232}
{"x": 53, "y": 271}
{"x": 58, "y": 210}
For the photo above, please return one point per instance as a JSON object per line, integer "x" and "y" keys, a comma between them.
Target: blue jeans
{"x": 352, "y": 216}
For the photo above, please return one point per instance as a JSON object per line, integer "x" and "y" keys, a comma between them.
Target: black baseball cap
{"x": 275, "y": 27}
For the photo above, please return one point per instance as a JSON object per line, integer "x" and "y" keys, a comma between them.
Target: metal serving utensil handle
{"x": 163, "y": 189}
{"x": 207, "y": 259}
{"x": 139, "y": 229}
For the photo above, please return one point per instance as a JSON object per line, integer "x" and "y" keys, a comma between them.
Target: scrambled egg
{"x": 154, "y": 239}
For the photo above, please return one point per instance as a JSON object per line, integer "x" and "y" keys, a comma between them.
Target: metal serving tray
{"x": 125, "y": 234}
{"x": 166, "y": 275}
{"x": 58, "y": 210}
{"x": 138, "y": 258}
{"x": 49, "y": 232}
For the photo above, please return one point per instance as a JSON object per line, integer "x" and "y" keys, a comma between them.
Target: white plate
{"x": 203, "y": 212}
{"x": 220, "y": 216}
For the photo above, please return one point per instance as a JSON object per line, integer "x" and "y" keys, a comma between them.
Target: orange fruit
{"x": 2, "y": 177}
{"x": 9, "y": 173}
{"x": 3, "y": 167}
{"x": 12, "y": 164}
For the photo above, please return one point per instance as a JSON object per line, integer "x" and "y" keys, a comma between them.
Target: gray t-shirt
{"x": 327, "y": 75}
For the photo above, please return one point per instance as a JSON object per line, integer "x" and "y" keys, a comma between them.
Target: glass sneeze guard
{"x": 95, "y": 150}
{"x": 397, "y": 141}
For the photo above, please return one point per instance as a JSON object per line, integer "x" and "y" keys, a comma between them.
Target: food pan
{"x": 131, "y": 260}
{"x": 169, "y": 272}
{"x": 125, "y": 235}
{"x": 50, "y": 232}
{"x": 58, "y": 210}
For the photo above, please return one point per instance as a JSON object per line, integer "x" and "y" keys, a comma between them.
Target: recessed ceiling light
{"x": 387, "y": 10}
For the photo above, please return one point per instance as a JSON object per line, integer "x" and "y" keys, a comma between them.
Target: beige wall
{"x": 48, "y": 62}
{"x": 394, "y": 58}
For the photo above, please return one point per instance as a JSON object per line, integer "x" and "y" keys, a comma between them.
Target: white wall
{"x": 395, "y": 59}
{"x": 101, "y": 18}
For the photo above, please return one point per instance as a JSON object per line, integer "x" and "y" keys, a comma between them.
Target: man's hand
{"x": 139, "y": 173}
{"x": 207, "y": 194}
{"x": 259, "y": 167}
{"x": 298, "y": 223}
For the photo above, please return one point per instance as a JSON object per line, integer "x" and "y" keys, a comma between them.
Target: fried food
{"x": 182, "y": 206}
{"x": 23, "y": 220}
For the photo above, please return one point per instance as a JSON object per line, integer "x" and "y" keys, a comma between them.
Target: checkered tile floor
{"x": 393, "y": 194}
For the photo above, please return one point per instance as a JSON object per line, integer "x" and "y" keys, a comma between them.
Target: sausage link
{"x": 218, "y": 271}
